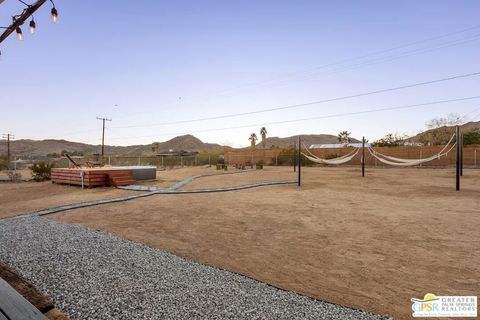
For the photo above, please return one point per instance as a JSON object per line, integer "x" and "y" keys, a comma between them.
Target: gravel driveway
{"x": 94, "y": 275}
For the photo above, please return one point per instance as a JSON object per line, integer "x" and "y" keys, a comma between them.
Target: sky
{"x": 146, "y": 64}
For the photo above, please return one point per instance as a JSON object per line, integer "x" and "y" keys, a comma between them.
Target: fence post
{"x": 421, "y": 155}
{"x": 276, "y": 158}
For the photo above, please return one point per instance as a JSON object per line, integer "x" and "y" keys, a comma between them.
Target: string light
{"x": 54, "y": 13}
{"x": 32, "y": 26}
{"x": 19, "y": 33}
{"x": 19, "y": 19}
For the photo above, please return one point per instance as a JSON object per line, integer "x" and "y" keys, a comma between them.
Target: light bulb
{"x": 54, "y": 15}
{"x": 32, "y": 27}
{"x": 19, "y": 33}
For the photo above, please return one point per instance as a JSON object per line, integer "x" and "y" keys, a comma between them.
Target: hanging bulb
{"x": 32, "y": 26}
{"x": 54, "y": 15}
{"x": 19, "y": 33}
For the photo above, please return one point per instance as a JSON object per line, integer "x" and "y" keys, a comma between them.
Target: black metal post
{"x": 461, "y": 154}
{"x": 294, "y": 157}
{"x": 457, "y": 171}
{"x": 299, "y": 162}
{"x": 363, "y": 157}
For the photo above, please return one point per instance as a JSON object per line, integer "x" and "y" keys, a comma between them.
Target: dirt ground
{"x": 370, "y": 243}
{"x": 23, "y": 197}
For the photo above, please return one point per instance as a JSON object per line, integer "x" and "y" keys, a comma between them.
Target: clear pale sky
{"x": 149, "y": 62}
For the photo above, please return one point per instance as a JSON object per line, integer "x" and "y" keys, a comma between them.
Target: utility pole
{"x": 103, "y": 133}
{"x": 9, "y": 137}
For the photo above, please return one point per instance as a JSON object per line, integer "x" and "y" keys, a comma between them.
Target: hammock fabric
{"x": 339, "y": 160}
{"x": 411, "y": 162}
{"x": 416, "y": 160}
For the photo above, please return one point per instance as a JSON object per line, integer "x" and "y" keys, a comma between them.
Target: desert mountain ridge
{"x": 35, "y": 148}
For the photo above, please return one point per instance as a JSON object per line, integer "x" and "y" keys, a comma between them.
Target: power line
{"x": 310, "y": 74}
{"x": 307, "y": 103}
{"x": 374, "y": 53}
{"x": 322, "y": 117}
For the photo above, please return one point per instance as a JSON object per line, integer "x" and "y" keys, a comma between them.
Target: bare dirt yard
{"x": 22, "y": 197}
{"x": 370, "y": 243}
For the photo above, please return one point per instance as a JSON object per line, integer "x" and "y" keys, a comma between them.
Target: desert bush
{"x": 472, "y": 137}
{"x": 3, "y": 163}
{"x": 41, "y": 170}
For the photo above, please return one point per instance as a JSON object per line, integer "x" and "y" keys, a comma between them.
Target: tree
{"x": 390, "y": 140}
{"x": 472, "y": 137}
{"x": 253, "y": 140}
{"x": 344, "y": 137}
{"x": 439, "y": 130}
{"x": 156, "y": 147}
{"x": 263, "y": 132}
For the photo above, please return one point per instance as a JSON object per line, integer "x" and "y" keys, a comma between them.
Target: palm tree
{"x": 253, "y": 140}
{"x": 344, "y": 137}
{"x": 263, "y": 132}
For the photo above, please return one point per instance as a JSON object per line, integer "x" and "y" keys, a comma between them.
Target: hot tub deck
{"x": 103, "y": 176}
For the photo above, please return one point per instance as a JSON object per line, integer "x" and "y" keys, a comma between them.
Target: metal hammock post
{"x": 294, "y": 157}
{"x": 299, "y": 162}
{"x": 457, "y": 171}
{"x": 461, "y": 154}
{"x": 363, "y": 157}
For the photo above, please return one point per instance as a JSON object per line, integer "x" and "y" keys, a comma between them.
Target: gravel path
{"x": 94, "y": 275}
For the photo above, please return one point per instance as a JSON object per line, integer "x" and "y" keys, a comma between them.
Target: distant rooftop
{"x": 337, "y": 145}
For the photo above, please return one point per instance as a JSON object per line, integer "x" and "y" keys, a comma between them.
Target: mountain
{"x": 45, "y": 147}
{"x": 442, "y": 135}
{"x": 306, "y": 139}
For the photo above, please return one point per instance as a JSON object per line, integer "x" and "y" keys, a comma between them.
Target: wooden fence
{"x": 471, "y": 155}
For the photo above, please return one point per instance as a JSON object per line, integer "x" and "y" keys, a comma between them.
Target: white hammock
{"x": 416, "y": 160}
{"x": 411, "y": 162}
{"x": 339, "y": 160}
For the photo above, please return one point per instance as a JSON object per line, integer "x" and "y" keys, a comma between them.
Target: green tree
{"x": 390, "y": 140}
{"x": 472, "y": 137}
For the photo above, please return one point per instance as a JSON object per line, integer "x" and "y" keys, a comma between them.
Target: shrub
{"x": 41, "y": 170}
{"x": 3, "y": 163}
{"x": 472, "y": 137}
